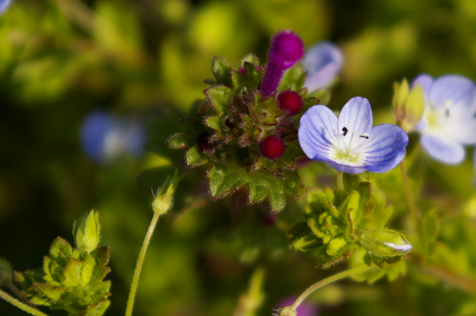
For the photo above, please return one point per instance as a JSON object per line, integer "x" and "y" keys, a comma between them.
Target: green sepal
{"x": 322, "y": 96}
{"x": 249, "y": 82}
{"x": 250, "y": 58}
{"x": 221, "y": 70}
{"x": 194, "y": 158}
{"x": 391, "y": 270}
{"x": 293, "y": 78}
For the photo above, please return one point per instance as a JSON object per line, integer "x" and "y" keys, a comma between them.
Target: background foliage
{"x": 61, "y": 59}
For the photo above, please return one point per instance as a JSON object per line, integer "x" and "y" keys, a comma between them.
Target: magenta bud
{"x": 290, "y": 101}
{"x": 272, "y": 147}
{"x": 286, "y": 50}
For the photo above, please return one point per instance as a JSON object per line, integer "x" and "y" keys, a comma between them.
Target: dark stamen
{"x": 345, "y": 130}
{"x": 447, "y": 113}
{"x": 364, "y": 135}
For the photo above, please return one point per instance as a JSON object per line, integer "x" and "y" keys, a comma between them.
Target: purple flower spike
{"x": 4, "y": 5}
{"x": 286, "y": 50}
{"x": 448, "y": 120}
{"x": 349, "y": 143}
{"x": 322, "y": 62}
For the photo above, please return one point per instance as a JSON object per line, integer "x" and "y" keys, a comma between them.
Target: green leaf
{"x": 49, "y": 292}
{"x": 220, "y": 98}
{"x": 194, "y": 158}
{"x": 221, "y": 70}
{"x": 224, "y": 179}
{"x": 178, "y": 141}
{"x": 293, "y": 78}
{"x": 87, "y": 270}
{"x": 72, "y": 273}
{"x": 97, "y": 309}
{"x": 250, "y": 58}
{"x": 321, "y": 95}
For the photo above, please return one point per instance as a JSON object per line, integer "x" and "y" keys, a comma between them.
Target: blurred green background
{"x": 61, "y": 59}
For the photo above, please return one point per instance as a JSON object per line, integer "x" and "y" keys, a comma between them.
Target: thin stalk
{"x": 140, "y": 262}
{"x": 19, "y": 304}
{"x": 408, "y": 192}
{"x": 333, "y": 278}
{"x": 16, "y": 291}
{"x": 340, "y": 181}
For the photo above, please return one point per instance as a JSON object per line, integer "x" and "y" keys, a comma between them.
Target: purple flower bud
{"x": 3, "y": 5}
{"x": 286, "y": 50}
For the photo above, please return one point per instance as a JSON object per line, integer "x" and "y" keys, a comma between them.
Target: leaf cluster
{"x": 228, "y": 126}
{"x": 69, "y": 280}
{"x": 341, "y": 222}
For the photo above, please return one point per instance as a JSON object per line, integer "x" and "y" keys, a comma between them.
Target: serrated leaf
{"x": 87, "y": 270}
{"x": 250, "y": 58}
{"x": 293, "y": 78}
{"x": 97, "y": 309}
{"x": 214, "y": 122}
{"x": 194, "y": 158}
{"x": 61, "y": 251}
{"x": 49, "y": 292}
{"x": 72, "y": 273}
{"x": 220, "y": 98}
{"x": 178, "y": 141}
{"x": 322, "y": 95}
{"x": 221, "y": 70}
{"x": 224, "y": 179}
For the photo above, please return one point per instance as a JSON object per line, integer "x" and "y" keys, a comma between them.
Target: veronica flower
{"x": 3, "y": 5}
{"x": 104, "y": 137}
{"x": 322, "y": 62}
{"x": 448, "y": 120}
{"x": 349, "y": 143}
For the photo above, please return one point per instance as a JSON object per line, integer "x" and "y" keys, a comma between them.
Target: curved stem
{"x": 19, "y": 304}
{"x": 408, "y": 192}
{"x": 333, "y": 278}
{"x": 140, "y": 262}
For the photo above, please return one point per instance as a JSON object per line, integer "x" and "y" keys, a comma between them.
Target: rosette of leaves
{"x": 69, "y": 280}
{"x": 339, "y": 223}
{"x": 228, "y": 126}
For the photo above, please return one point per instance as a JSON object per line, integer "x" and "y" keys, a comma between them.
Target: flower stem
{"x": 333, "y": 278}
{"x": 408, "y": 192}
{"x": 24, "y": 307}
{"x": 340, "y": 181}
{"x": 140, "y": 262}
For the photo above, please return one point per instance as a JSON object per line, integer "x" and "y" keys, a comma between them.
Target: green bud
{"x": 408, "y": 105}
{"x": 164, "y": 199}
{"x": 86, "y": 232}
{"x": 385, "y": 242}
{"x": 287, "y": 311}
{"x": 5, "y": 272}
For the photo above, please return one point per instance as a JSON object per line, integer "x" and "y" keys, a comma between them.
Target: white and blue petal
{"x": 454, "y": 93}
{"x": 317, "y": 132}
{"x": 386, "y": 148}
{"x": 355, "y": 121}
{"x": 322, "y": 63}
{"x": 442, "y": 148}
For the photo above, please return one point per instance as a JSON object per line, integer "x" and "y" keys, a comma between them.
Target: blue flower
{"x": 349, "y": 143}
{"x": 322, "y": 62}
{"x": 104, "y": 137}
{"x": 448, "y": 120}
{"x": 3, "y": 5}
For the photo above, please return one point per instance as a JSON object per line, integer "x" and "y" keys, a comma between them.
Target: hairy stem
{"x": 333, "y": 278}
{"x": 19, "y": 304}
{"x": 140, "y": 262}
{"x": 340, "y": 181}
{"x": 408, "y": 192}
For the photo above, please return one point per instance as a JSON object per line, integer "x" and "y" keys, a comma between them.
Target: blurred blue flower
{"x": 349, "y": 143}
{"x": 448, "y": 120}
{"x": 3, "y": 5}
{"x": 104, "y": 137}
{"x": 305, "y": 309}
{"x": 322, "y": 62}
